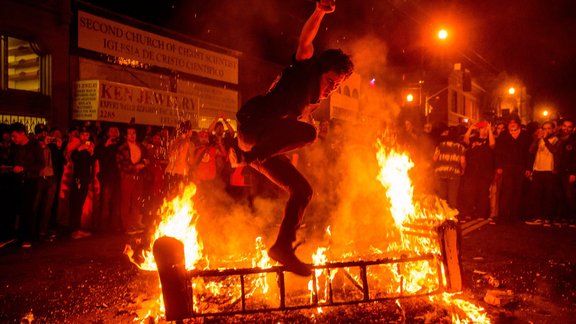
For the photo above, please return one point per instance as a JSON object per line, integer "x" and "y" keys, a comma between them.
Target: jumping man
{"x": 281, "y": 121}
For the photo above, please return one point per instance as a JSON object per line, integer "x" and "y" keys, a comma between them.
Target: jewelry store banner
{"x": 116, "y": 102}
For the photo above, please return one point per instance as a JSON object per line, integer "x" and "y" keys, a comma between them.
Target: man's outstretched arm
{"x": 305, "y": 47}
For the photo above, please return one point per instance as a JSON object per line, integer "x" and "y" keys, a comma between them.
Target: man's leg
{"x": 505, "y": 199}
{"x": 453, "y": 186}
{"x": 269, "y": 137}
{"x": 483, "y": 197}
{"x": 284, "y": 174}
{"x": 46, "y": 211}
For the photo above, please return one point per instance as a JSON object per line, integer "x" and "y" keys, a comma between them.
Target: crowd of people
{"x": 101, "y": 180}
{"x": 507, "y": 172}
{"x": 96, "y": 179}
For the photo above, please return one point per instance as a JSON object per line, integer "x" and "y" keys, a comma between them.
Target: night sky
{"x": 532, "y": 40}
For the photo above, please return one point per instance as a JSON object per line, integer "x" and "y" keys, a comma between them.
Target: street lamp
{"x": 443, "y": 34}
{"x": 545, "y": 113}
{"x": 409, "y": 97}
{"x": 511, "y": 90}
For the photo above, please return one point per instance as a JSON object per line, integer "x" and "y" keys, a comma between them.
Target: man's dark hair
{"x": 18, "y": 127}
{"x": 514, "y": 118}
{"x": 337, "y": 61}
{"x": 185, "y": 126}
{"x": 566, "y": 120}
{"x": 39, "y": 128}
{"x": 131, "y": 126}
{"x": 4, "y": 128}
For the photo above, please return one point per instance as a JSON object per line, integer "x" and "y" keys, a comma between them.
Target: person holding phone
{"x": 280, "y": 121}
{"x": 83, "y": 160}
{"x": 479, "y": 173}
{"x": 545, "y": 186}
{"x": 109, "y": 178}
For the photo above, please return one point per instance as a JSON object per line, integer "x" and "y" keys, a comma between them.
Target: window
{"x": 21, "y": 65}
{"x": 454, "y": 102}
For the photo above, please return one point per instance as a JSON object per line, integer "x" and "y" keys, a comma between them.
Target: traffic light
{"x": 411, "y": 96}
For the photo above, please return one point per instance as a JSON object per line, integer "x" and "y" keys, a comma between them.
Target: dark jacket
{"x": 106, "y": 156}
{"x": 31, "y": 157}
{"x": 568, "y": 155}
{"x": 513, "y": 152}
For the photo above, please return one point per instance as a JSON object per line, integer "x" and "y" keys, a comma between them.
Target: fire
{"x": 319, "y": 286}
{"x": 407, "y": 214}
{"x": 262, "y": 261}
{"x": 460, "y": 307}
{"x": 415, "y": 220}
{"x": 178, "y": 221}
{"x": 393, "y": 175}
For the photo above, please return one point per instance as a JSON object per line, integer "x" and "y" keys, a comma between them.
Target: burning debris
{"x": 419, "y": 257}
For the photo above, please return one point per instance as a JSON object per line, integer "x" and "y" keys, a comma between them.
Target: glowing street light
{"x": 443, "y": 34}
{"x": 511, "y": 90}
{"x": 409, "y": 97}
{"x": 545, "y": 113}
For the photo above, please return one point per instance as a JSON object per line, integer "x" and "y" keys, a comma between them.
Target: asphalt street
{"x": 91, "y": 281}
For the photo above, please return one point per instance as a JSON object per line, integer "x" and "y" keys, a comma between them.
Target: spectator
{"x": 28, "y": 161}
{"x": 568, "y": 172}
{"x": 479, "y": 173}
{"x": 132, "y": 161}
{"x": 180, "y": 158}
{"x": 7, "y": 184}
{"x": 449, "y": 165}
{"x": 500, "y": 127}
{"x": 158, "y": 154}
{"x": 82, "y": 157}
{"x": 109, "y": 178}
{"x": 242, "y": 184}
{"x": 224, "y": 139}
{"x": 512, "y": 166}
{"x": 544, "y": 191}
{"x": 407, "y": 137}
{"x": 46, "y": 182}
{"x": 495, "y": 186}
{"x": 217, "y": 128}
{"x": 206, "y": 156}
{"x": 58, "y": 163}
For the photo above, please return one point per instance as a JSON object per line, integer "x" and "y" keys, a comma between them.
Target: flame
{"x": 393, "y": 175}
{"x": 262, "y": 261}
{"x": 179, "y": 220}
{"x": 415, "y": 276}
{"x": 415, "y": 220}
{"x": 324, "y": 277}
{"x": 472, "y": 313}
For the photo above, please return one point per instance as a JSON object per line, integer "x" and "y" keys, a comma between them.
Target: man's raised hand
{"x": 327, "y": 6}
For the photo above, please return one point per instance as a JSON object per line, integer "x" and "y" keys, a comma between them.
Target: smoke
{"x": 228, "y": 228}
{"x": 342, "y": 169}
